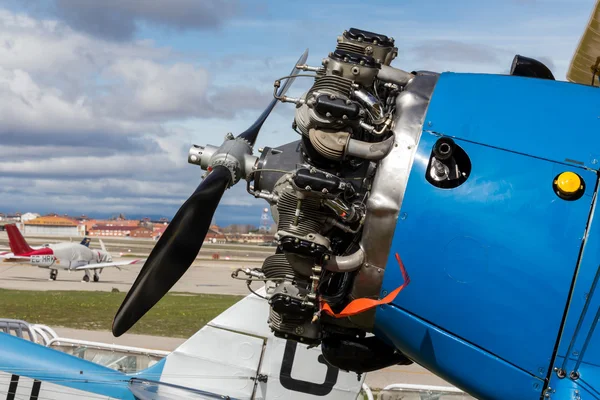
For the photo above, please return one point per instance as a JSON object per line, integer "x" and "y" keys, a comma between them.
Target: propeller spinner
{"x": 183, "y": 238}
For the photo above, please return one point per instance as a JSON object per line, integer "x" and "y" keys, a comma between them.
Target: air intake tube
{"x": 394, "y": 75}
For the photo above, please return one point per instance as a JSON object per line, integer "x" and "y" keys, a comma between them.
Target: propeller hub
{"x": 201, "y": 155}
{"x": 235, "y": 154}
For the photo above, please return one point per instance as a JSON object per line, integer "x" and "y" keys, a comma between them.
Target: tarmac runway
{"x": 203, "y": 277}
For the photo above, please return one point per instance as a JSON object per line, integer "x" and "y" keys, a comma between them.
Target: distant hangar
{"x": 52, "y": 225}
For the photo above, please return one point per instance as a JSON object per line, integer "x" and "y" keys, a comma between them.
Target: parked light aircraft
{"x": 452, "y": 215}
{"x": 235, "y": 356}
{"x": 63, "y": 256}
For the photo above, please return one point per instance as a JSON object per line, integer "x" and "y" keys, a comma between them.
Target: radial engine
{"x": 319, "y": 189}
{"x": 334, "y": 193}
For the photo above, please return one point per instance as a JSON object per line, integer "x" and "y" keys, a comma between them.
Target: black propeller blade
{"x": 175, "y": 251}
{"x": 251, "y": 133}
{"x": 183, "y": 238}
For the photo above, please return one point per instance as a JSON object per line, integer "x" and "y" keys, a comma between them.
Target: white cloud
{"x": 50, "y": 48}
{"x": 85, "y": 121}
{"x": 27, "y": 106}
{"x": 158, "y": 91}
{"x": 101, "y": 122}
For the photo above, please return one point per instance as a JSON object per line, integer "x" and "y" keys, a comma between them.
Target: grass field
{"x": 176, "y": 315}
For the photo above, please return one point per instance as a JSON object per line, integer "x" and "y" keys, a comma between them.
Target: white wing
{"x": 110, "y": 264}
{"x": 239, "y": 345}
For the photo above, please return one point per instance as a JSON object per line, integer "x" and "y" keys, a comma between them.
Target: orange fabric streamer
{"x": 361, "y": 305}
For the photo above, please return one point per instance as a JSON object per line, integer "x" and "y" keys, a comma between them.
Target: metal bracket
{"x": 260, "y": 378}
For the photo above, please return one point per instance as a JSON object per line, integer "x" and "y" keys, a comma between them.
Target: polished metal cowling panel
{"x": 388, "y": 190}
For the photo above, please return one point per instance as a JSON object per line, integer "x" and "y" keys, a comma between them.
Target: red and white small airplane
{"x": 67, "y": 256}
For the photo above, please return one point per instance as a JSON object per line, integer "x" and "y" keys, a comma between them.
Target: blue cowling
{"x": 502, "y": 266}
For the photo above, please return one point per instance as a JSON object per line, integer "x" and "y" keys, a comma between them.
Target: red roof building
{"x": 109, "y": 230}
{"x": 215, "y": 237}
{"x": 89, "y": 224}
{"x": 141, "y": 232}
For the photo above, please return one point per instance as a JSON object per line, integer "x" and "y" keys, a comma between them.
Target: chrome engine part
{"x": 327, "y": 105}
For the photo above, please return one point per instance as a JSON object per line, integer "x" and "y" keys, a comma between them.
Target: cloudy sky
{"x": 100, "y": 100}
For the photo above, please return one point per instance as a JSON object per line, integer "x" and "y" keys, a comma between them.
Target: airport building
{"x": 141, "y": 232}
{"x": 128, "y": 229}
{"x": 91, "y": 224}
{"x": 255, "y": 238}
{"x": 110, "y": 230}
{"x": 213, "y": 236}
{"x": 29, "y": 216}
{"x": 52, "y": 225}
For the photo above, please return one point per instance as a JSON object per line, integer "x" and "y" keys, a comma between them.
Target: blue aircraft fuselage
{"x": 502, "y": 300}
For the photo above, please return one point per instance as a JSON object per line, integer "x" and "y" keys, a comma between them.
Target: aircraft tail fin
{"x": 86, "y": 241}
{"x": 17, "y": 242}
{"x": 102, "y": 245}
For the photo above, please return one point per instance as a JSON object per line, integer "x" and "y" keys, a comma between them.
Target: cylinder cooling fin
{"x": 277, "y": 266}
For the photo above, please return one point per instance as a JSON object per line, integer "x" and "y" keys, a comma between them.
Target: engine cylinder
{"x": 309, "y": 217}
{"x": 380, "y": 47}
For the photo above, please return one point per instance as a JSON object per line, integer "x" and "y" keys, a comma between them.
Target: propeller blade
{"x": 180, "y": 243}
{"x": 174, "y": 252}
{"x": 251, "y": 133}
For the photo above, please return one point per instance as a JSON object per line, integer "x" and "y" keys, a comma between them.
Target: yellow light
{"x": 568, "y": 183}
